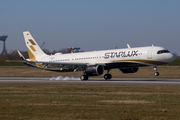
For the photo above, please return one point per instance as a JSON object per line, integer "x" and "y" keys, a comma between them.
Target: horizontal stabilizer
{"x": 21, "y": 61}
{"x": 22, "y": 57}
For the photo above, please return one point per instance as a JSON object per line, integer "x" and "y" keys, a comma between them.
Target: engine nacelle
{"x": 129, "y": 69}
{"x": 94, "y": 70}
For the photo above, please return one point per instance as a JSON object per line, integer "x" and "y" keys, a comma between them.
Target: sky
{"x": 91, "y": 24}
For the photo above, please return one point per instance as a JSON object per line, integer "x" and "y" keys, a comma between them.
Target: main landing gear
{"x": 156, "y": 73}
{"x": 107, "y": 76}
{"x": 84, "y": 77}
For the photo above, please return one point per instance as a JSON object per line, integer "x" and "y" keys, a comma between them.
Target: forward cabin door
{"x": 149, "y": 54}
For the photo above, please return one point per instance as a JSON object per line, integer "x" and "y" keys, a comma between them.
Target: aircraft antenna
{"x": 128, "y": 46}
{"x": 42, "y": 45}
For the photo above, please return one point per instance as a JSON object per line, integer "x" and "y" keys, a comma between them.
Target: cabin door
{"x": 149, "y": 53}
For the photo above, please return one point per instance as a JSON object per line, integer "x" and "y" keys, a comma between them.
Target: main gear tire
{"x": 84, "y": 77}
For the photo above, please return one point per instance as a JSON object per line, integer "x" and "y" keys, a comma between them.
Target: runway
{"x": 120, "y": 81}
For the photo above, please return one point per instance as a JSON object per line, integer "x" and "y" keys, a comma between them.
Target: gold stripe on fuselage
{"x": 137, "y": 61}
{"x": 142, "y": 61}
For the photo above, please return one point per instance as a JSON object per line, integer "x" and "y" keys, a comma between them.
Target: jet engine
{"x": 129, "y": 69}
{"x": 94, "y": 70}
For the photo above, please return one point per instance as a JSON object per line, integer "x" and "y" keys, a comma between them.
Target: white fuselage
{"x": 140, "y": 55}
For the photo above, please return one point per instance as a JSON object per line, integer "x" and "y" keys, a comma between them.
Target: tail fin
{"x": 33, "y": 48}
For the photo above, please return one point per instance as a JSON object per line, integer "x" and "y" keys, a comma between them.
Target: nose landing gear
{"x": 156, "y": 73}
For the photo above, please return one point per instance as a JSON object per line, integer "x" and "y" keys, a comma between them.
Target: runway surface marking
{"x": 148, "y": 81}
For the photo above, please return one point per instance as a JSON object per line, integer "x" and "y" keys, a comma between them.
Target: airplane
{"x": 94, "y": 63}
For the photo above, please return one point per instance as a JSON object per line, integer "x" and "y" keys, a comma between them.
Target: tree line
{"x": 13, "y": 54}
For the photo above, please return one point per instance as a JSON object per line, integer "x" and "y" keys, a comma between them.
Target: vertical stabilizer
{"x": 33, "y": 48}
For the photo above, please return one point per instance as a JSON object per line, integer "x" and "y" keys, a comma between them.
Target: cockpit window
{"x": 162, "y": 51}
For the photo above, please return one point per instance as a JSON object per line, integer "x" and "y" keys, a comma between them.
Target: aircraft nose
{"x": 171, "y": 57}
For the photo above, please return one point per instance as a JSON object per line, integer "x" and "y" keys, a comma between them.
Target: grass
{"x": 4, "y": 63}
{"x": 176, "y": 62}
{"x": 83, "y": 102}
{"x": 144, "y": 72}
